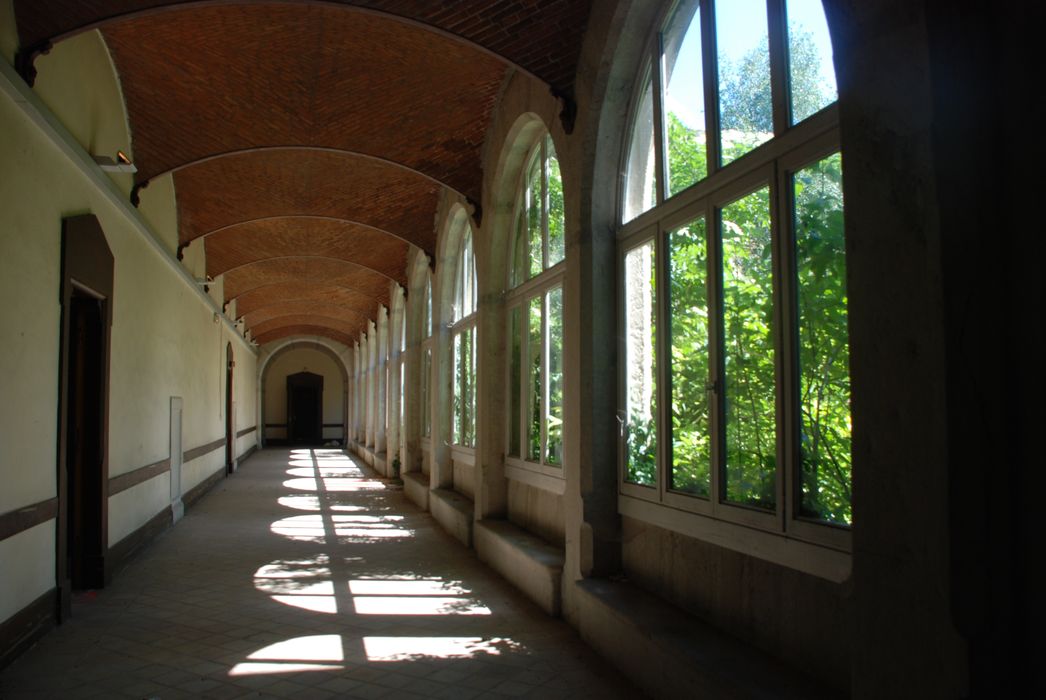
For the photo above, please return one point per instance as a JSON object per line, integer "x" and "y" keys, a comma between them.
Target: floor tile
{"x": 304, "y": 576}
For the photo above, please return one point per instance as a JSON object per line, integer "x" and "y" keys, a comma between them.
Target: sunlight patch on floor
{"x": 313, "y": 653}
{"x": 408, "y": 648}
{"x": 313, "y": 503}
{"x": 417, "y": 605}
{"x": 314, "y": 528}
{"x": 309, "y": 484}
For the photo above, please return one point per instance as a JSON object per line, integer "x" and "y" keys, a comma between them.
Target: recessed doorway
{"x": 82, "y": 547}
{"x": 305, "y": 408}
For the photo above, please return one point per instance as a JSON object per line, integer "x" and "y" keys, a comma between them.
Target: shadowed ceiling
{"x": 310, "y": 142}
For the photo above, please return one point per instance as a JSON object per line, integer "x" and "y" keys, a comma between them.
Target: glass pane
{"x": 403, "y": 400}
{"x": 745, "y": 108}
{"x": 428, "y": 305}
{"x": 684, "y": 98}
{"x": 812, "y": 72}
{"x": 514, "y": 379}
{"x": 426, "y": 384}
{"x": 518, "y": 272}
{"x": 640, "y": 174}
{"x": 748, "y": 351}
{"x": 640, "y": 345}
{"x": 470, "y": 388}
{"x": 554, "y": 303}
{"x": 534, "y": 379}
{"x": 534, "y": 209}
{"x": 460, "y": 372}
{"x": 556, "y": 228}
{"x": 403, "y": 330}
{"x": 824, "y": 347}
{"x": 688, "y": 306}
{"x": 468, "y": 278}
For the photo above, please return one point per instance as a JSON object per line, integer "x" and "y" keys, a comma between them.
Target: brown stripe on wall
{"x": 194, "y": 494}
{"x": 21, "y": 630}
{"x": 20, "y": 520}
{"x": 200, "y": 451}
{"x": 122, "y": 482}
{"x": 246, "y": 431}
{"x": 121, "y": 552}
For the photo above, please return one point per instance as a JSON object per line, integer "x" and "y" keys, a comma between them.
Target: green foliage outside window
{"x": 465, "y": 388}
{"x": 554, "y": 419}
{"x": 534, "y": 387}
{"x": 640, "y": 364}
{"x": 748, "y": 351}
{"x": 824, "y": 392}
{"x": 688, "y": 312}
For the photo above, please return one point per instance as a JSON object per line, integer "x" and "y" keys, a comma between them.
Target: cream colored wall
{"x": 27, "y": 574}
{"x": 158, "y": 206}
{"x": 165, "y": 340}
{"x": 30, "y": 281}
{"x": 76, "y": 80}
{"x": 309, "y": 360}
{"x": 194, "y": 259}
{"x": 8, "y": 31}
{"x": 245, "y": 398}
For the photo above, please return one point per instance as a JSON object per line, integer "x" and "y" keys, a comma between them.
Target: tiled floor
{"x": 302, "y": 577}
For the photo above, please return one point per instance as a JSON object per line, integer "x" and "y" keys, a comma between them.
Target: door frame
{"x": 87, "y": 268}
{"x": 230, "y": 418}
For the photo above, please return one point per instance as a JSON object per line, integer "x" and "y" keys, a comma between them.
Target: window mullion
{"x": 715, "y": 343}
{"x": 663, "y": 364}
{"x": 544, "y": 378}
{"x": 781, "y": 334}
{"x": 711, "y": 83}
{"x": 778, "y": 37}
{"x": 789, "y": 346}
{"x": 521, "y": 380}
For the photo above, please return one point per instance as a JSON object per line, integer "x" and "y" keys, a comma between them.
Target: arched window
{"x": 735, "y": 389}
{"x": 463, "y": 332}
{"x": 535, "y": 315}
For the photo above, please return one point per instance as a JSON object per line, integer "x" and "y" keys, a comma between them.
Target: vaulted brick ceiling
{"x": 310, "y": 142}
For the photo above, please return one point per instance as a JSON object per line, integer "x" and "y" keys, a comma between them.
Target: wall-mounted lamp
{"x": 122, "y": 164}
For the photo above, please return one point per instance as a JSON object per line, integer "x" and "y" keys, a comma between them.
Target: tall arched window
{"x": 734, "y": 400}
{"x": 535, "y": 315}
{"x": 463, "y": 333}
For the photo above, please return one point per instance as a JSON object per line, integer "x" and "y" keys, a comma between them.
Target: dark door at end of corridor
{"x": 305, "y": 408}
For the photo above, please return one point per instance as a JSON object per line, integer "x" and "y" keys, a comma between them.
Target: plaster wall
{"x": 129, "y": 509}
{"x": 158, "y": 206}
{"x": 308, "y": 360}
{"x": 164, "y": 340}
{"x": 8, "y": 31}
{"x": 76, "y": 80}
{"x": 30, "y": 251}
{"x": 536, "y": 510}
{"x": 33, "y": 575}
{"x": 245, "y": 399}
